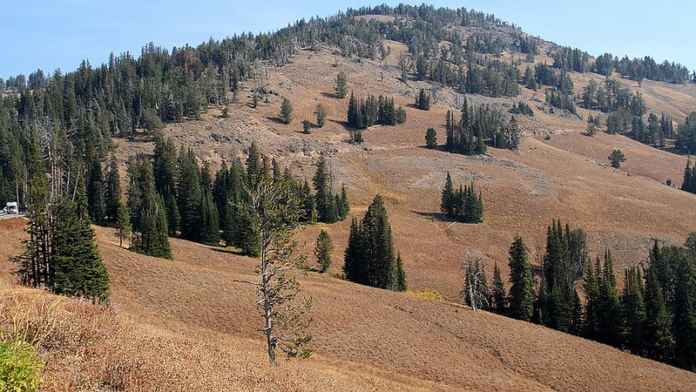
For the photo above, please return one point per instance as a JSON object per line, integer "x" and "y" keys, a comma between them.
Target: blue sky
{"x": 50, "y": 34}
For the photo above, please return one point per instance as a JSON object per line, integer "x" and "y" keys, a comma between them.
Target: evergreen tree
{"x": 286, "y": 111}
{"x": 633, "y": 310}
{"x": 322, "y": 251}
{"x": 522, "y": 289}
{"x": 447, "y": 199}
{"x": 499, "y": 295}
{"x": 431, "y": 138}
{"x": 77, "y": 267}
{"x": 423, "y": 100}
{"x": 321, "y": 115}
{"x": 616, "y": 158}
{"x": 369, "y": 257}
{"x": 657, "y": 336}
{"x": 325, "y": 201}
{"x": 343, "y": 204}
{"x": 148, "y": 214}
{"x": 609, "y": 305}
{"x": 341, "y": 89}
{"x": 399, "y": 275}
{"x": 684, "y": 312}
{"x": 123, "y": 224}
{"x": 113, "y": 192}
{"x": 95, "y": 193}
{"x": 189, "y": 196}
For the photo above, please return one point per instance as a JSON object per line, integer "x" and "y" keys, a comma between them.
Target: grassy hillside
{"x": 193, "y": 313}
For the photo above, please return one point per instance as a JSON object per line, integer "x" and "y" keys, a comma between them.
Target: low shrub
{"x": 20, "y": 367}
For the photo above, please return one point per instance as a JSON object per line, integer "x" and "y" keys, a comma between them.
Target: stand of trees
{"x": 60, "y": 253}
{"x": 686, "y": 135}
{"x": 478, "y": 127}
{"x": 172, "y": 195}
{"x": 462, "y": 205}
{"x": 364, "y": 113}
{"x": 652, "y": 315}
{"x": 423, "y": 100}
{"x": 689, "y": 183}
{"x": 370, "y": 258}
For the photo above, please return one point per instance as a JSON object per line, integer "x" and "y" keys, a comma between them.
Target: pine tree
{"x": 77, "y": 267}
{"x": 522, "y": 289}
{"x": 149, "y": 218}
{"x": 633, "y": 310}
{"x": 189, "y": 196}
{"x": 113, "y": 192}
{"x": 399, "y": 275}
{"x": 609, "y": 306}
{"x": 431, "y": 138}
{"x": 616, "y": 158}
{"x": 321, "y": 115}
{"x": 341, "y": 89}
{"x": 322, "y": 251}
{"x": 123, "y": 224}
{"x": 210, "y": 227}
{"x": 447, "y": 198}
{"x": 95, "y": 193}
{"x": 343, "y": 204}
{"x": 684, "y": 312}
{"x": 325, "y": 200}
{"x": 658, "y": 342}
{"x": 355, "y": 259}
{"x": 286, "y": 111}
{"x": 499, "y": 295}
{"x": 369, "y": 257}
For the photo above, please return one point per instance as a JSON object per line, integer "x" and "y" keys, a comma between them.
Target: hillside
{"x": 366, "y": 339}
{"x": 566, "y": 177}
{"x": 196, "y": 313}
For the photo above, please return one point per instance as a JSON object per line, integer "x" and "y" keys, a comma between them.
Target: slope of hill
{"x": 196, "y": 313}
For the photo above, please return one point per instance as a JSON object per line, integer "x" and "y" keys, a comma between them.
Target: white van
{"x": 12, "y": 208}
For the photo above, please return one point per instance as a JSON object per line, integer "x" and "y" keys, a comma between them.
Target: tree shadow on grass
{"x": 439, "y": 216}
{"x": 230, "y": 251}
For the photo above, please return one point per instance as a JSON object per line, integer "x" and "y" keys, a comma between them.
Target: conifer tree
{"x": 95, "y": 193}
{"x": 499, "y": 296}
{"x": 123, "y": 224}
{"x": 286, "y": 111}
{"x": 633, "y": 310}
{"x": 399, "y": 275}
{"x": 522, "y": 289}
{"x": 341, "y": 89}
{"x": 189, "y": 196}
{"x": 431, "y": 138}
{"x": 322, "y": 251}
{"x": 321, "y": 115}
{"x": 369, "y": 257}
{"x": 447, "y": 199}
{"x": 355, "y": 259}
{"x": 343, "y": 204}
{"x": 77, "y": 267}
{"x": 113, "y": 192}
{"x": 684, "y": 312}
{"x": 657, "y": 336}
{"x": 148, "y": 213}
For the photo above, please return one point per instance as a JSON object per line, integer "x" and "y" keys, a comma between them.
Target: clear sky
{"x": 50, "y": 34}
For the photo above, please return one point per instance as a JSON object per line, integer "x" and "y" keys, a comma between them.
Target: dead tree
{"x": 275, "y": 212}
{"x": 475, "y": 292}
